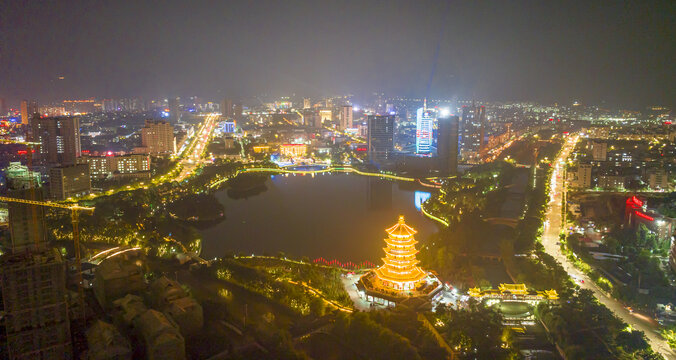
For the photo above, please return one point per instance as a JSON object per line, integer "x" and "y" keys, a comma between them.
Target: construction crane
{"x": 75, "y": 211}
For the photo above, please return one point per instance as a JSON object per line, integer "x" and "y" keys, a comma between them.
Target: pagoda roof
{"x": 404, "y": 242}
{"x": 409, "y": 263}
{"x": 384, "y": 274}
{"x": 400, "y": 229}
{"x": 404, "y": 253}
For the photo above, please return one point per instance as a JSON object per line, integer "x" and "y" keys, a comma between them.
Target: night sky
{"x": 621, "y": 53}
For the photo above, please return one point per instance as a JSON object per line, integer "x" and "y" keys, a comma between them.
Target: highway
{"x": 191, "y": 156}
{"x": 550, "y": 239}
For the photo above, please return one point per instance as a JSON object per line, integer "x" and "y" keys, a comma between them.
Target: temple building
{"x": 399, "y": 278}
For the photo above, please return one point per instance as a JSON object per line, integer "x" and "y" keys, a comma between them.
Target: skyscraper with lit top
{"x": 423, "y": 132}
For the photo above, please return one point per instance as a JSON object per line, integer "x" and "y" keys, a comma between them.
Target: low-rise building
{"x": 611, "y": 181}
{"x": 658, "y": 179}
{"x": 104, "y": 166}
{"x": 106, "y": 343}
{"x": 115, "y": 278}
{"x": 169, "y": 297}
{"x": 160, "y": 336}
{"x": 126, "y": 310}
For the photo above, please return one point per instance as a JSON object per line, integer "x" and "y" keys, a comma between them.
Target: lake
{"x": 334, "y": 216}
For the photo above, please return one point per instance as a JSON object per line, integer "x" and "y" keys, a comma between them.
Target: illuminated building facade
{"x": 346, "y": 118}
{"x": 326, "y": 115}
{"x": 400, "y": 271}
{"x": 380, "y": 138}
{"x": 59, "y": 139}
{"x": 227, "y": 109}
{"x": 399, "y": 277}
{"x": 423, "y": 134}
{"x": 472, "y": 128}
{"x": 157, "y": 137}
{"x": 103, "y": 166}
{"x": 79, "y": 106}
{"x": 69, "y": 181}
{"x": 28, "y": 109}
{"x": 293, "y": 150}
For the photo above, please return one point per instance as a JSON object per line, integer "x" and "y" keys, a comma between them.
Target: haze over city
{"x": 395, "y": 180}
{"x": 615, "y": 52}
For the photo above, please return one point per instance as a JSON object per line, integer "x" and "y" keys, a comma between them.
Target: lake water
{"x": 334, "y": 216}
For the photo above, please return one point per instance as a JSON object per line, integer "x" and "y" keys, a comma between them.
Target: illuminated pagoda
{"x": 399, "y": 277}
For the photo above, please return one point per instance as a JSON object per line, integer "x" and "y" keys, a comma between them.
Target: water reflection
{"x": 420, "y": 198}
{"x": 336, "y": 216}
{"x": 379, "y": 194}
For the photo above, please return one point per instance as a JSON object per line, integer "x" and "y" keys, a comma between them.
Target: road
{"x": 550, "y": 239}
{"x": 190, "y": 158}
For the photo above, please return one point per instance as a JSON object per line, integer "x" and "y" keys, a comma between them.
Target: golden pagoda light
{"x": 399, "y": 271}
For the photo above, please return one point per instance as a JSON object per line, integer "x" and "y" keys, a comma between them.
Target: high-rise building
{"x": 157, "y": 137}
{"x": 326, "y": 115}
{"x": 227, "y": 109}
{"x": 24, "y": 112}
{"x": 307, "y": 103}
{"x": 584, "y": 176}
{"x": 599, "y": 151}
{"x": 32, "y": 278}
{"x": 3, "y": 107}
{"x": 59, "y": 139}
{"x": 424, "y": 128}
{"x": 472, "y": 131}
{"x": 28, "y": 110}
{"x": 238, "y": 111}
{"x": 69, "y": 181}
{"x": 26, "y": 223}
{"x": 34, "y": 302}
{"x": 380, "y": 138}
{"x": 346, "y": 117}
{"x": 174, "y": 110}
{"x": 447, "y": 144}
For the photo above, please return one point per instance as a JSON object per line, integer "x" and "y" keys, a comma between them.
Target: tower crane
{"x": 75, "y": 211}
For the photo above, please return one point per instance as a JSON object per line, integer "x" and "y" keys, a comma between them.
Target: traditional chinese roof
{"x": 400, "y": 229}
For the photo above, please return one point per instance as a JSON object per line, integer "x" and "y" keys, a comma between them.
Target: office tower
{"x": 423, "y": 133}
{"x": 3, "y": 108}
{"x": 447, "y": 145}
{"x": 59, "y": 139}
{"x": 69, "y": 181}
{"x": 380, "y": 138}
{"x": 346, "y": 117}
{"x": 174, "y": 112}
{"x": 227, "y": 110}
{"x": 157, "y": 137}
{"x": 238, "y": 111}
{"x": 472, "y": 128}
{"x": 306, "y": 103}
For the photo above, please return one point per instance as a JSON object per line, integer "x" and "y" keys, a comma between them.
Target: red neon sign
{"x": 640, "y": 214}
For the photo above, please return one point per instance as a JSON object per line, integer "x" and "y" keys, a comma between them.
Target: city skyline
{"x": 612, "y": 53}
